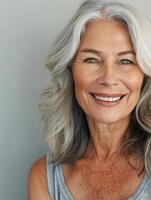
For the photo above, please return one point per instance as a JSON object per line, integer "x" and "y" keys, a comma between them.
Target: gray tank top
{"x": 58, "y": 189}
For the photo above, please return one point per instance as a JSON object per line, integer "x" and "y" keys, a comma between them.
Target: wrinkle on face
{"x": 107, "y": 41}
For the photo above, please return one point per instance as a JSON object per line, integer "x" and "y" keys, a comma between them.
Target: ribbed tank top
{"x": 58, "y": 189}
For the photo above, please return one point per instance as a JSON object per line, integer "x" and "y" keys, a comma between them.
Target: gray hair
{"x": 65, "y": 127}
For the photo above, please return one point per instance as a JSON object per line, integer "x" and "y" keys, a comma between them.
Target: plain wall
{"x": 27, "y": 29}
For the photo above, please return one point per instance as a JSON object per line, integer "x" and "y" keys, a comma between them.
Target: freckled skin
{"x": 101, "y": 181}
{"x": 98, "y": 175}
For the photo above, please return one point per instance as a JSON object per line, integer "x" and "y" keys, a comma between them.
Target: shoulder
{"x": 37, "y": 181}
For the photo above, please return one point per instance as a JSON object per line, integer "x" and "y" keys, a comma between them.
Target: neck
{"x": 106, "y": 139}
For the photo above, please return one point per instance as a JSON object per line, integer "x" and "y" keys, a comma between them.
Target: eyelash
{"x": 92, "y": 60}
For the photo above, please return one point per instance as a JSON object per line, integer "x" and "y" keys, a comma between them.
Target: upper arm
{"x": 37, "y": 181}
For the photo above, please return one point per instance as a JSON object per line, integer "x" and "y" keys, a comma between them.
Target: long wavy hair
{"x": 64, "y": 123}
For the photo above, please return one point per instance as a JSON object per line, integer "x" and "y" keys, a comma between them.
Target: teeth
{"x": 107, "y": 98}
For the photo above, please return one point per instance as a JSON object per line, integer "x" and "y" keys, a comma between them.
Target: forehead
{"x": 106, "y": 34}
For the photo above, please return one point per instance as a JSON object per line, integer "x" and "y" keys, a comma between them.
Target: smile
{"x": 107, "y": 100}
{"x": 110, "y": 99}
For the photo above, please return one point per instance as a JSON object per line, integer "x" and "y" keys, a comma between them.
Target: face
{"x": 106, "y": 75}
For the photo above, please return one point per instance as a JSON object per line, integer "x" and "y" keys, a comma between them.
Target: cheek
{"x": 82, "y": 83}
{"x": 135, "y": 80}
{"x": 81, "y": 78}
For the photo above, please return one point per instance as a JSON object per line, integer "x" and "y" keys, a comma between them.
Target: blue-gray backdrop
{"x": 27, "y": 29}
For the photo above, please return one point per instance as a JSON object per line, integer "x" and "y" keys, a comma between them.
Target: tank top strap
{"x": 56, "y": 184}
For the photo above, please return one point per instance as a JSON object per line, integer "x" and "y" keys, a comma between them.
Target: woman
{"x": 96, "y": 109}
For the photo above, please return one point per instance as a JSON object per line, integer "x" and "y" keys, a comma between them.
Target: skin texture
{"x": 102, "y": 173}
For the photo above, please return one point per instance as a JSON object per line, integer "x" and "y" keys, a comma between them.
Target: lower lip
{"x": 107, "y": 103}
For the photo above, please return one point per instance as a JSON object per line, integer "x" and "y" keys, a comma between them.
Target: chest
{"x": 103, "y": 184}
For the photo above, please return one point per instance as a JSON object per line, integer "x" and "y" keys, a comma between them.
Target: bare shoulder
{"x": 37, "y": 181}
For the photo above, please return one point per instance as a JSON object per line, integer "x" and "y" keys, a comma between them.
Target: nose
{"x": 109, "y": 75}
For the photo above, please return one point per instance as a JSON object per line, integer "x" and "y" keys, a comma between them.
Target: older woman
{"x": 96, "y": 109}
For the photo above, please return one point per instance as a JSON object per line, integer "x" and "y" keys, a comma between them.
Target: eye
{"x": 126, "y": 61}
{"x": 91, "y": 60}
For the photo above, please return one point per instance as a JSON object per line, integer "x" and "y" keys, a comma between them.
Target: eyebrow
{"x": 87, "y": 50}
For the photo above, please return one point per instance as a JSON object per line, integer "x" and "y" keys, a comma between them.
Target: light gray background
{"x": 27, "y": 29}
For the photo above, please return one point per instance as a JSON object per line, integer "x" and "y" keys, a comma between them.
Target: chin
{"x": 109, "y": 119}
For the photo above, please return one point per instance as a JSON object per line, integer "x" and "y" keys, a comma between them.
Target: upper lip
{"x": 108, "y": 95}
